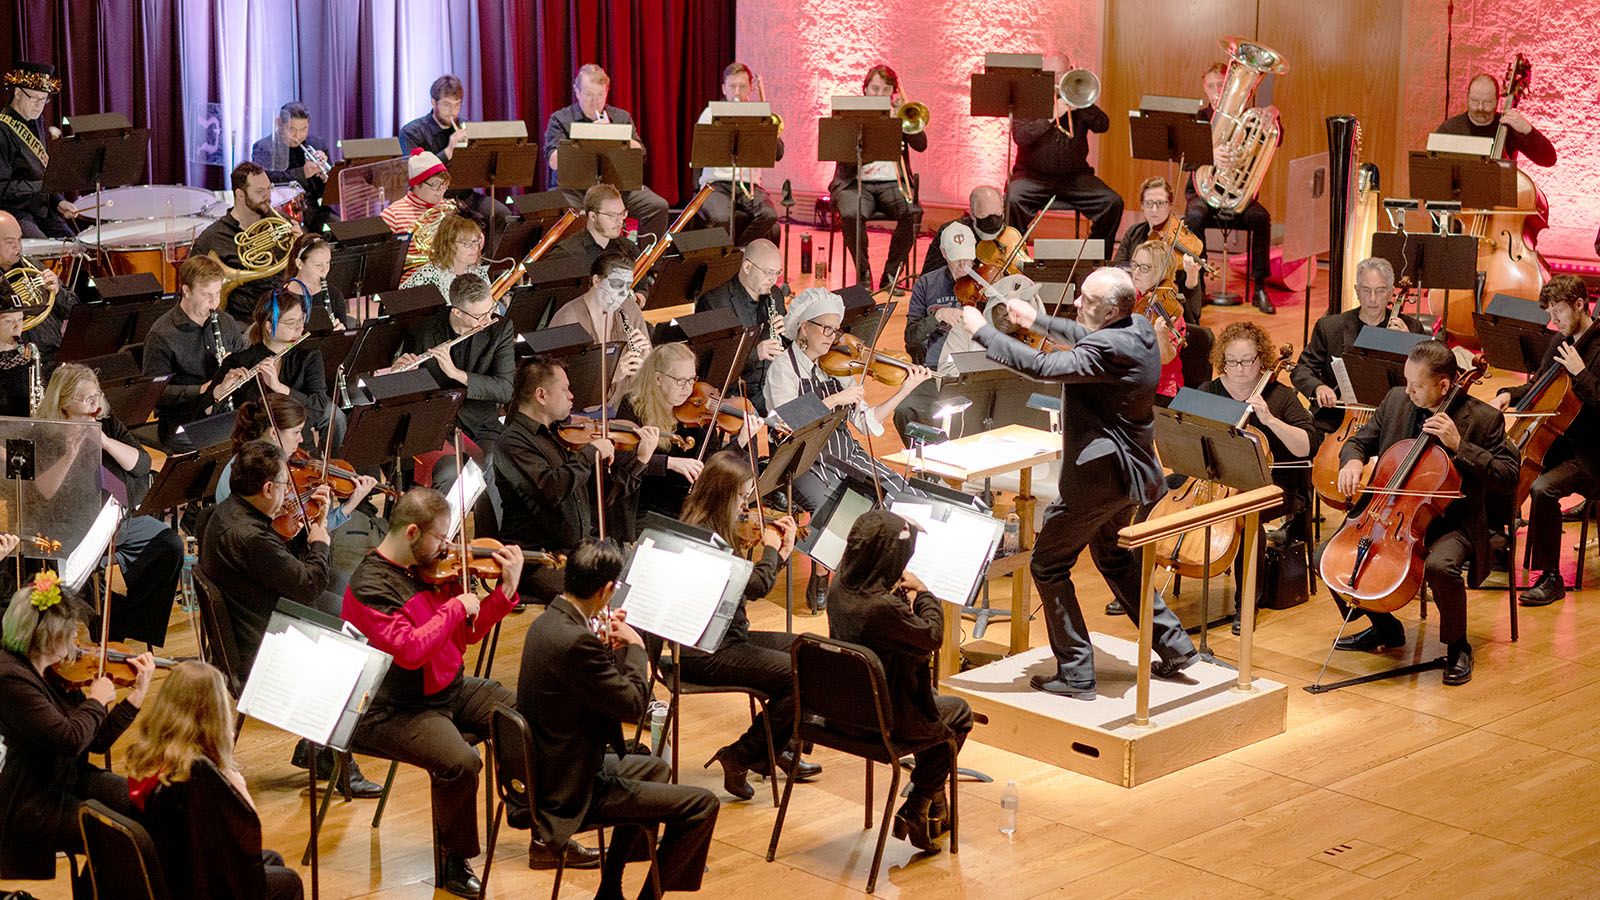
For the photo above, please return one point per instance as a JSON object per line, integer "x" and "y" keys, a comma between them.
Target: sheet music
{"x": 86, "y": 557}
{"x": 952, "y": 553}
{"x": 673, "y": 594}
{"x": 829, "y": 548}
{"x": 983, "y": 451}
{"x": 1347, "y": 391}
{"x": 302, "y": 685}
{"x": 471, "y": 482}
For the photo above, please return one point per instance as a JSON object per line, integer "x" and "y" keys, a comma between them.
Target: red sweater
{"x": 420, "y": 625}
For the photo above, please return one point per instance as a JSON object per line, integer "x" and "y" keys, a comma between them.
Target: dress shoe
{"x": 459, "y": 879}
{"x": 1114, "y": 608}
{"x": 1575, "y": 512}
{"x": 542, "y": 856}
{"x": 360, "y": 787}
{"x": 911, "y": 823}
{"x": 1053, "y": 685}
{"x": 1373, "y": 640}
{"x": 1169, "y": 669}
{"x": 734, "y": 772}
{"x": 802, "y": 770}
{"x": 1458, "y": 670}
{"x": 1264, "y": 303}
{"x": 817, "y": 593}
{"x": 938, "y": 815}
{"x": 1547, "y": 590}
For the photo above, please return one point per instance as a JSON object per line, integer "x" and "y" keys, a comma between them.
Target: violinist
{"x": 1155, "y": 204}
{"x": 738, "y": 191}
{"x": 754, "y": 297}
{"x": 189, "y": 343}
{"x": 1335, "y": 333}
{"x": 1572, "y": 464}
{"x": 426, "y": 699}
{"x": 1242, "y": 354}
{"x": 1473, "y": 434}
{"x": 1053, "y": 160}
{"x": 591, "y": 88}
{"x": 876, "y": 191}
{"x": 719, "y": 501}
{"x": 49, "y": 732}
{"x": 276, "y": 326}
{"x": 603, "y": 217}
{"x": 609, "y": 310}
{"x": 1151, "y": 265}
{"x": 457, "y": 250}
{"x": 929, "y": 339}
{"x": 482, "y": 364}
{"x": 1109, "y": 471}
{"x": 548, "y": 490}
{"x": 1198, "y": 215}
{"x": 149, "y": 552}
{"x": 985, "y": 215}
{"x": 1483, "y": 119}
{"x": 307, "y": 275}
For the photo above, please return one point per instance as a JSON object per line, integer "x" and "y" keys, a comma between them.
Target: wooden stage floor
{"x": 1402, "y": 788}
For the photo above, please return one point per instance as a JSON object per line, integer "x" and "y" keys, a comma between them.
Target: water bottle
{"x": 658, "y": 724}
{"x": 1008, "y": 542}
{"x": 1009, "y": 801}
{"x": 805, "y": 253}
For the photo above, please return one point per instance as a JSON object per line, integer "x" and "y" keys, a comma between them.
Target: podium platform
{"x": 1189, "y": 722}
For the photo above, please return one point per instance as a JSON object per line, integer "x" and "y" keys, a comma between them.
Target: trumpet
{"x": 319, "y": 159}
{"x": 1078, "y": 89}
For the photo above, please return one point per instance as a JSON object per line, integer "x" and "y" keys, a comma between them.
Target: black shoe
{"x": 938, "y": 815}
{"x": 1373, "y": 640}
{"x": 911, "y": 824}
{"x": 733, "y": 772}
{"x": 802, "y": 770}
{"x": 1114, "y": 608}
{"x": 1053, "y": 685}
{"x": 1574, "y": 513}
{"x": 817, "y": 593}
{"x": 1169, "y": 669}
{"x": 1264, "y": 303}
{"x": 361, "y": 787}
{"x": 1547, "y": 590}
{"x": 776, "y": 501}
{"x": 459, "y": 879}
{"x": 1459, "y": 668}
{"x": 542, "y": 856}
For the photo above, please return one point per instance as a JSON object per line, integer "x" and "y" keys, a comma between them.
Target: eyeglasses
{"x": 469, "y": 242}
{"x": 87, "y": 400}
{"x": 770, "y": 273}
{"x": 35, "y": 96}
{"x": 1372, "y": 291}
{"x": 1156, "y": 204}
{"x": 1143, "y": 268}
{"x": 441, "y": 538}
{"x": 680, "y": 382}
{"x": 1239, "y": 363}
{"x": 827, "y": 330}
{"x": 619, "y": 214}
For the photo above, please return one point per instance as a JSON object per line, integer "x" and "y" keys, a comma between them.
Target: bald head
{"x": 10, "y": 240}
{"x": 1107, "y": 296}
{"x": 761, "y": 267}
{"x": 985, "y": 200}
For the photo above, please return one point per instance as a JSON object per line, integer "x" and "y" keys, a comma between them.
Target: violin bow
{"x": 105, "y": 606}
{"x": 866, "y": 409}
{"x": 738, "y": 353}
{"x": 599, "y": 469}
{"x": 461, "y": 532}
{"x": 272, "y": 423}
{"x": 1055, "y": 310}
{"x": 1027, "y": 235}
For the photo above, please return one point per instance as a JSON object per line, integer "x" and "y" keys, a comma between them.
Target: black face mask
{"x": 989, "y": 227}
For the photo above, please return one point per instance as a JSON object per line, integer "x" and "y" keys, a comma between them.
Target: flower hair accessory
{"x": 46, "y": 590}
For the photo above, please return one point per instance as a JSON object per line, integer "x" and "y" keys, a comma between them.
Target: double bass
{"x": 1376, "y": 560}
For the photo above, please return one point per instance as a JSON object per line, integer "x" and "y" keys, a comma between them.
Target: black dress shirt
{"x": 1582, "y": 437}
{"x": 220, "y": 238}
{"x": 253, "y": 567}
{"x": 731, "y": 294}
{"x": 425, "y": 133}
{"x": 583, "y": 246}
{"x": 1534, "y": 145}
{"x": 548, "y": 490}
{"x": 178, "y": 347}
{"x": 1043, "y": 150}
{"x": 488, "y": 358}
{"x": 286, "y": 164}
{"x": 559, "y": 128}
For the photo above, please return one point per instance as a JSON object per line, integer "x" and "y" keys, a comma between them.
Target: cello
{"x": 1376, "y": 560}
{"x": 1507, "y": 236}
{"x": 1538, "y": 418}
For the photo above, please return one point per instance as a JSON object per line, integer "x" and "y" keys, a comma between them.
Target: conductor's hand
{"x": 1326, "y": 396}
{"x": 604, "y": 450}
{"x": 850, "y": 396}
{"x": 510, "y": 559}
{"x": 1350, "y": 478}
{"x": 469, "y": 602}
{"x": 1023, "y": 315}
{"x": 649, "y": 440}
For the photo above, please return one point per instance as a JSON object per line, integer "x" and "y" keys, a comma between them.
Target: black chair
{"x": 217, "y": 642}
{"x": 513, "y": 766}
{"x": 837, "y": 237}
{"x": 122, "y": 857}
{"x": 665, "y": 673}
{"x": 841, "y": 698}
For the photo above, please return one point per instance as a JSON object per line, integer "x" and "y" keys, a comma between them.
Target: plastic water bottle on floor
{"x": 1009, "y": 801}
{"x": 658, "y": 724}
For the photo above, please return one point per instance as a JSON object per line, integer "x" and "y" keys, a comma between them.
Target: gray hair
{"x": 1376, "y": 264}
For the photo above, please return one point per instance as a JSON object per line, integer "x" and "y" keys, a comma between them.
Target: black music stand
{"x": 377, "y": 343}
{"x": 858, "y": 137}
{"x": 1477, "y": 182}
{"x": 335, "y": 347}
{"x": 118, "y": 366}
{"x": 492, "y": 165}
{"x": 559, "y": 342}
{"x": 1376, "y": 361}
{"x": 100, "y": 329}
{"x": 90, "y": 162}
{"x": 737, "y": 142}
{"x": 1445, "y": 261}
{"x": 133, "y": 399}
{"x": 696, "y": 262}
{"x": 393, "y": 428}
{"x": 365, "y": 267}
{"x": 541, "y": 206}
{"x": 582, "y": 164}
{"x": 715, "y": 337}
{"x": 584, "y": 370}
{"x": 530, "y": 309}
{"x": 794, "y": 457}
{"x": 1514, "y": 332}
{"x": 1014, "y": 93}
{"x": 557, "y": 279}
{"x": 184, "y": 478}
{"x": 125, "y": 288}
{"x": 1193, "y": 440}
{"x": 1160, "y": 135}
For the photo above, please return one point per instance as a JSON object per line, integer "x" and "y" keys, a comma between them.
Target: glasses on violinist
{"x": 827, "y": 330}
{"x": 1245, "y": 363}
{"x": 684, "y": 382}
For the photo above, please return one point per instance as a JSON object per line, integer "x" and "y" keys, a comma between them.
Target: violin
{"x": 749, "y": 528}
{"x": 581, "y": 431}
{"x": 82, "y": 668}
{"x": 850, "y": 356}
{"x": 304, "y": 505}
{"x": 480, "y": 562}
{"x": 707, "y": 406}
{"x": 1178, "y": 239}
{"x": 1376, "y": 560}
{"x": 1162, "y": 303}
{"x": 340, "y": 476}
{"x": 1003, "y": 251}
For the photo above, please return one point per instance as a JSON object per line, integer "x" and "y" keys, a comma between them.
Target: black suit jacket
{"x": 1487, "y": 463}
{"x": 1582, "y": 437}
{"x": 1332, "y": 336}
{"x": 1108, "y": 390}
{"x": 575, "y": 693}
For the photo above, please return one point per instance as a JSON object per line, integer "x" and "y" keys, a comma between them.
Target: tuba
{"x": 1251, "y": 133}
{"x": 263, "y": 250}
{"x": 27, "y": 282}
{"x": 422, "y": 232}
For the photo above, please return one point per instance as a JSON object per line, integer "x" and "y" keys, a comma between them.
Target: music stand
{"x": 696, "y": 262}
{"x": 335, "y": 347}
{"x": 582, "y": 163}
{"x": 411, "y": 304}
{"x": 133, "y": 399}
{"x": 1180, "y": 139}
{"x": 529, "y": 309}
{"x": 377, "y": 343}
{"x": 1013, "y": 85}
{"x": 1514, "y": 332}
{"x": 491, "y": 165}
{"x": 367, "y": 258}
{"x": 584, "y": 370}
{"x": 1306, "y": 231}
{"x": 1445, "y": 261}
{"x": 91, "y": 161}
{"x": 186, "y": 477}
{"x": 393, "y": 428}
{"x": 795, "y": 456}
{"x": 1478, "y": 182}
{"x": 735, "y": 142}
{"x": 100, "y": 329}
{"x": 715, "y": 338}
{"x": 1376, "y": 362}
{"x": 557, "y": 279}
{"x": 125, "y": 288}
{"x": 860, "y": 137}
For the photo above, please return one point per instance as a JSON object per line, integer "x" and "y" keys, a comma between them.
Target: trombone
{"x": 1078, "y": 89}
{"x": 913, "y": 118}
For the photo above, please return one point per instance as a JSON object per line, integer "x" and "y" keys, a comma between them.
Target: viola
{"x": 581, "y": 431}
{"x": 83, "y": 667}
{"x": 480, "y": 561}
{"x": 1162, "y": 303}
{"x": 304, "y": 503}
{"x": 850, "y": 356}
{"x": 1376, "y": 560}
{"x": 339, "y": 476}
{"x": 1003, "y": 251}
{"x": 707, "y": 406}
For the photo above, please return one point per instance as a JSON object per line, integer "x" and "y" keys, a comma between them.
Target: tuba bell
{"x": 422, "y": 232}
{"x": 263, "y": 250}
{"x": 1250, "y": 133}
{"x": 27, "y": 282}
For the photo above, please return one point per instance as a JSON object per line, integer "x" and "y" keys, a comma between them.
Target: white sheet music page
{"x": 674, "y": 594}
{"x": 302, "y": 685}
{"x": 951, "y": 554}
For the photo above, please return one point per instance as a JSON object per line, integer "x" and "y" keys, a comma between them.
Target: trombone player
{"x": 1053, "y": 159}
{"x": 739, "y": 192}
{"x": 882, "y": 188}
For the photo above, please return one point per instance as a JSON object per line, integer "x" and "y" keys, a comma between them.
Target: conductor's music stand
{"x": 744, "y": 141}
{"x": 1445, "y": 261}
{"x": 1514, "y": 332}
{"x": 859, "y": 137}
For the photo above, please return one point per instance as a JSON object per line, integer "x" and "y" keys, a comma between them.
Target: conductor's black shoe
{"x": 1547, "y": 590}
{"x": 1459, "y": 668}
{"x": 459, "y": 879}
{"x": 1170, "y": 668}
{"x": 543, "y": 856}
{"x": 1053, "y": 685}
{"x": 1375, "y": 639}
{"x": 1264, "y": 303}
{"x": 1114, "y": 608}
{"x": 802, "y": 770}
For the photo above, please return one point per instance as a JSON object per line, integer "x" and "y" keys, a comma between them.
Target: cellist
{"x": 1572, "y": 464}
{"x": 1473, "y": 434}
{"x": 1335, "y": 333}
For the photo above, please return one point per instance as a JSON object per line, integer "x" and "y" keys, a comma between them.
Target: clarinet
{"x": 221, "y": 353}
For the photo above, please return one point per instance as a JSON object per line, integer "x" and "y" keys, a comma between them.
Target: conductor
{"x": 1108, "y": 387}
